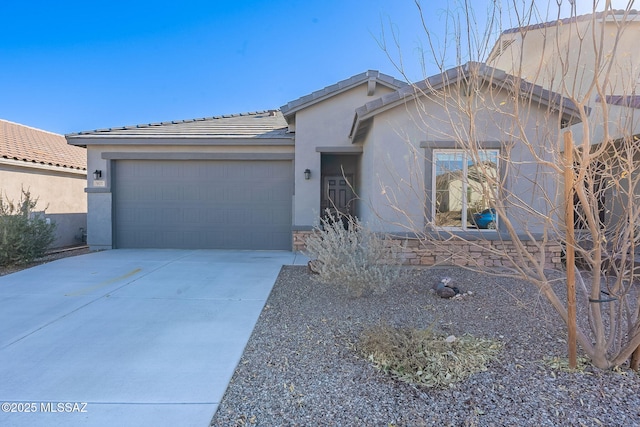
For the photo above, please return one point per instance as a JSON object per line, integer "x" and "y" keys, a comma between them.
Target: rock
{"x": 314, "y": 266}
{"x": 450, "y": 339}
{"x": 445, "y": 292}
{"x": 442, "y": 283}
{"x": 445, "y": 289}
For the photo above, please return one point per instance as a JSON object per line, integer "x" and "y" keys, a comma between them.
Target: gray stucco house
{"x": 261, "y": 180}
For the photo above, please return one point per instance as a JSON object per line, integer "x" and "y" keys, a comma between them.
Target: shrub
{"x": 24, "y": 235}
{"x": 350, "y": 255}
{"x": 422, "y": 357}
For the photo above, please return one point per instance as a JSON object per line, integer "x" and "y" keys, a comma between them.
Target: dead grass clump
{"x": 424, "y": 358}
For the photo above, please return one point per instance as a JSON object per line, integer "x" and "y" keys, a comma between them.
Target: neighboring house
{"x": 261, "y": 180}
{"x": 569, "y": 56}
{"x": 45, "y": 165}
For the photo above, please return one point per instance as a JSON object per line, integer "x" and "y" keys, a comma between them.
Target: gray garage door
{"x": 202, "y": 204}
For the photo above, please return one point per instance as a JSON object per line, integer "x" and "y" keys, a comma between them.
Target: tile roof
{"x": 261, "y": 124}
{"x": 631, "y": 101}
{"x": 341, "y": 86}
{"x": 27, "y": 144}
{"x": 497, "y": 77}
{"x": 631, "y": 15}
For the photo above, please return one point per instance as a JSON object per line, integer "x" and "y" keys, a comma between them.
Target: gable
{"x": 373, "y": 79}
{"x": 476, "y": 77}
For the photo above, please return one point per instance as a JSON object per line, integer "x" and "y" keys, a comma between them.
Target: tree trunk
{"x": 635, "y": 359}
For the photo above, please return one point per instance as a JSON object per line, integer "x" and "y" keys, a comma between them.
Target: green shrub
{"x": 24, "y": 236}
{"x": 349, "y": 255}
{"x": 421, "y": 357}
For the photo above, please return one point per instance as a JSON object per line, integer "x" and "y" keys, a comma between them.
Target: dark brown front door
{"x": 337, "y": 194}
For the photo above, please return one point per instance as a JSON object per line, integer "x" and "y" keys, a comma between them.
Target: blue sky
{"x": 70, "y": 66}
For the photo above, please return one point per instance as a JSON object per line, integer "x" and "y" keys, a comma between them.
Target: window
{"x": 464, "y": 185}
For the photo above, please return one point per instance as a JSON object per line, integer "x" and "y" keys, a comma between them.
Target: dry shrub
{"x": 24, "y": 235}
{"x": 350, "y": 255}
{"x": 562, "y": 364}
{"x": 424, "y": 358}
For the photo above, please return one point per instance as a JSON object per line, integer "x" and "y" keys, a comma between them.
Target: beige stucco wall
{"x": 392, "y": 172}
{"x": 60, "y": 192}
{"x": 324, "y": 124}
{"x": 396, "y": 164}
{"x": 556, "y": 58}
{"x": 616, "y": 121}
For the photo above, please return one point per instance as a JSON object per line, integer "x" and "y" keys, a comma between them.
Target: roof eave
{"x": 85, "y": 140}
{"x": 34, "y": 164}
{"x": 452, "y": 76}
{"x": 363, "y": 117}
{"x": 148, "y": 129}
{"x": 292, "y": 107}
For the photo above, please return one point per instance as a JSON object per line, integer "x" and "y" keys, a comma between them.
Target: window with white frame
{"x": 464, "y": 187}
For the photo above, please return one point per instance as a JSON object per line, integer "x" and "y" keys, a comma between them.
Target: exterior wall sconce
{"x": 97, "y": 174}
{"x": 307, "y": 174}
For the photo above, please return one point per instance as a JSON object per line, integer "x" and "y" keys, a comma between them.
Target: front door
{"x": 337, "y": 194}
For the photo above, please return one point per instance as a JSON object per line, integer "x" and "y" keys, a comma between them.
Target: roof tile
{"x": 27, "y": 144}
{"x": 630, "y": 14}
{"x": 261, "y": 124}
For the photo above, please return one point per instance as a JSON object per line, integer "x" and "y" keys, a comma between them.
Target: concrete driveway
{"x": 129, "y": 337}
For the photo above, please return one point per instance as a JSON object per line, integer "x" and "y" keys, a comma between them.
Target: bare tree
{"x": 505, "y": 115}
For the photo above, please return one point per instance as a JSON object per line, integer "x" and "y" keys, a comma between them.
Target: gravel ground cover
{"x": 301, "y": 366}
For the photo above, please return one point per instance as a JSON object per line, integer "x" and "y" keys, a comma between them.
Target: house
{"x": 221, "y": 182}
{"x": 261, "y": 180}
{"x": 570, "y": 55}
{"x": 592, "y": 59}
{"x": 53, "y": 171}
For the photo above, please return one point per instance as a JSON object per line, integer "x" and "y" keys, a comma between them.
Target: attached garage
{"x": 215, "y": 183}
{"x": 202, "y": 204}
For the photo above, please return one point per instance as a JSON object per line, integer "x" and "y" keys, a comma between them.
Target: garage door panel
{"x": 192, "y": 217}
{"x": 232, "y": 217}
{"x": 171, "y": 192}
{"x": 261, "y": 195}
{"x": 238, "y": 194}
{"x": 191, "y": 193}
{"x": 215, "y": 217}
{"x": 211, "y": 192}
{"x": 128, "y": 193}
{"x": 264, "y": 220}
{"x": 280, "y": 199}
{"x": 203, "y": 204}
